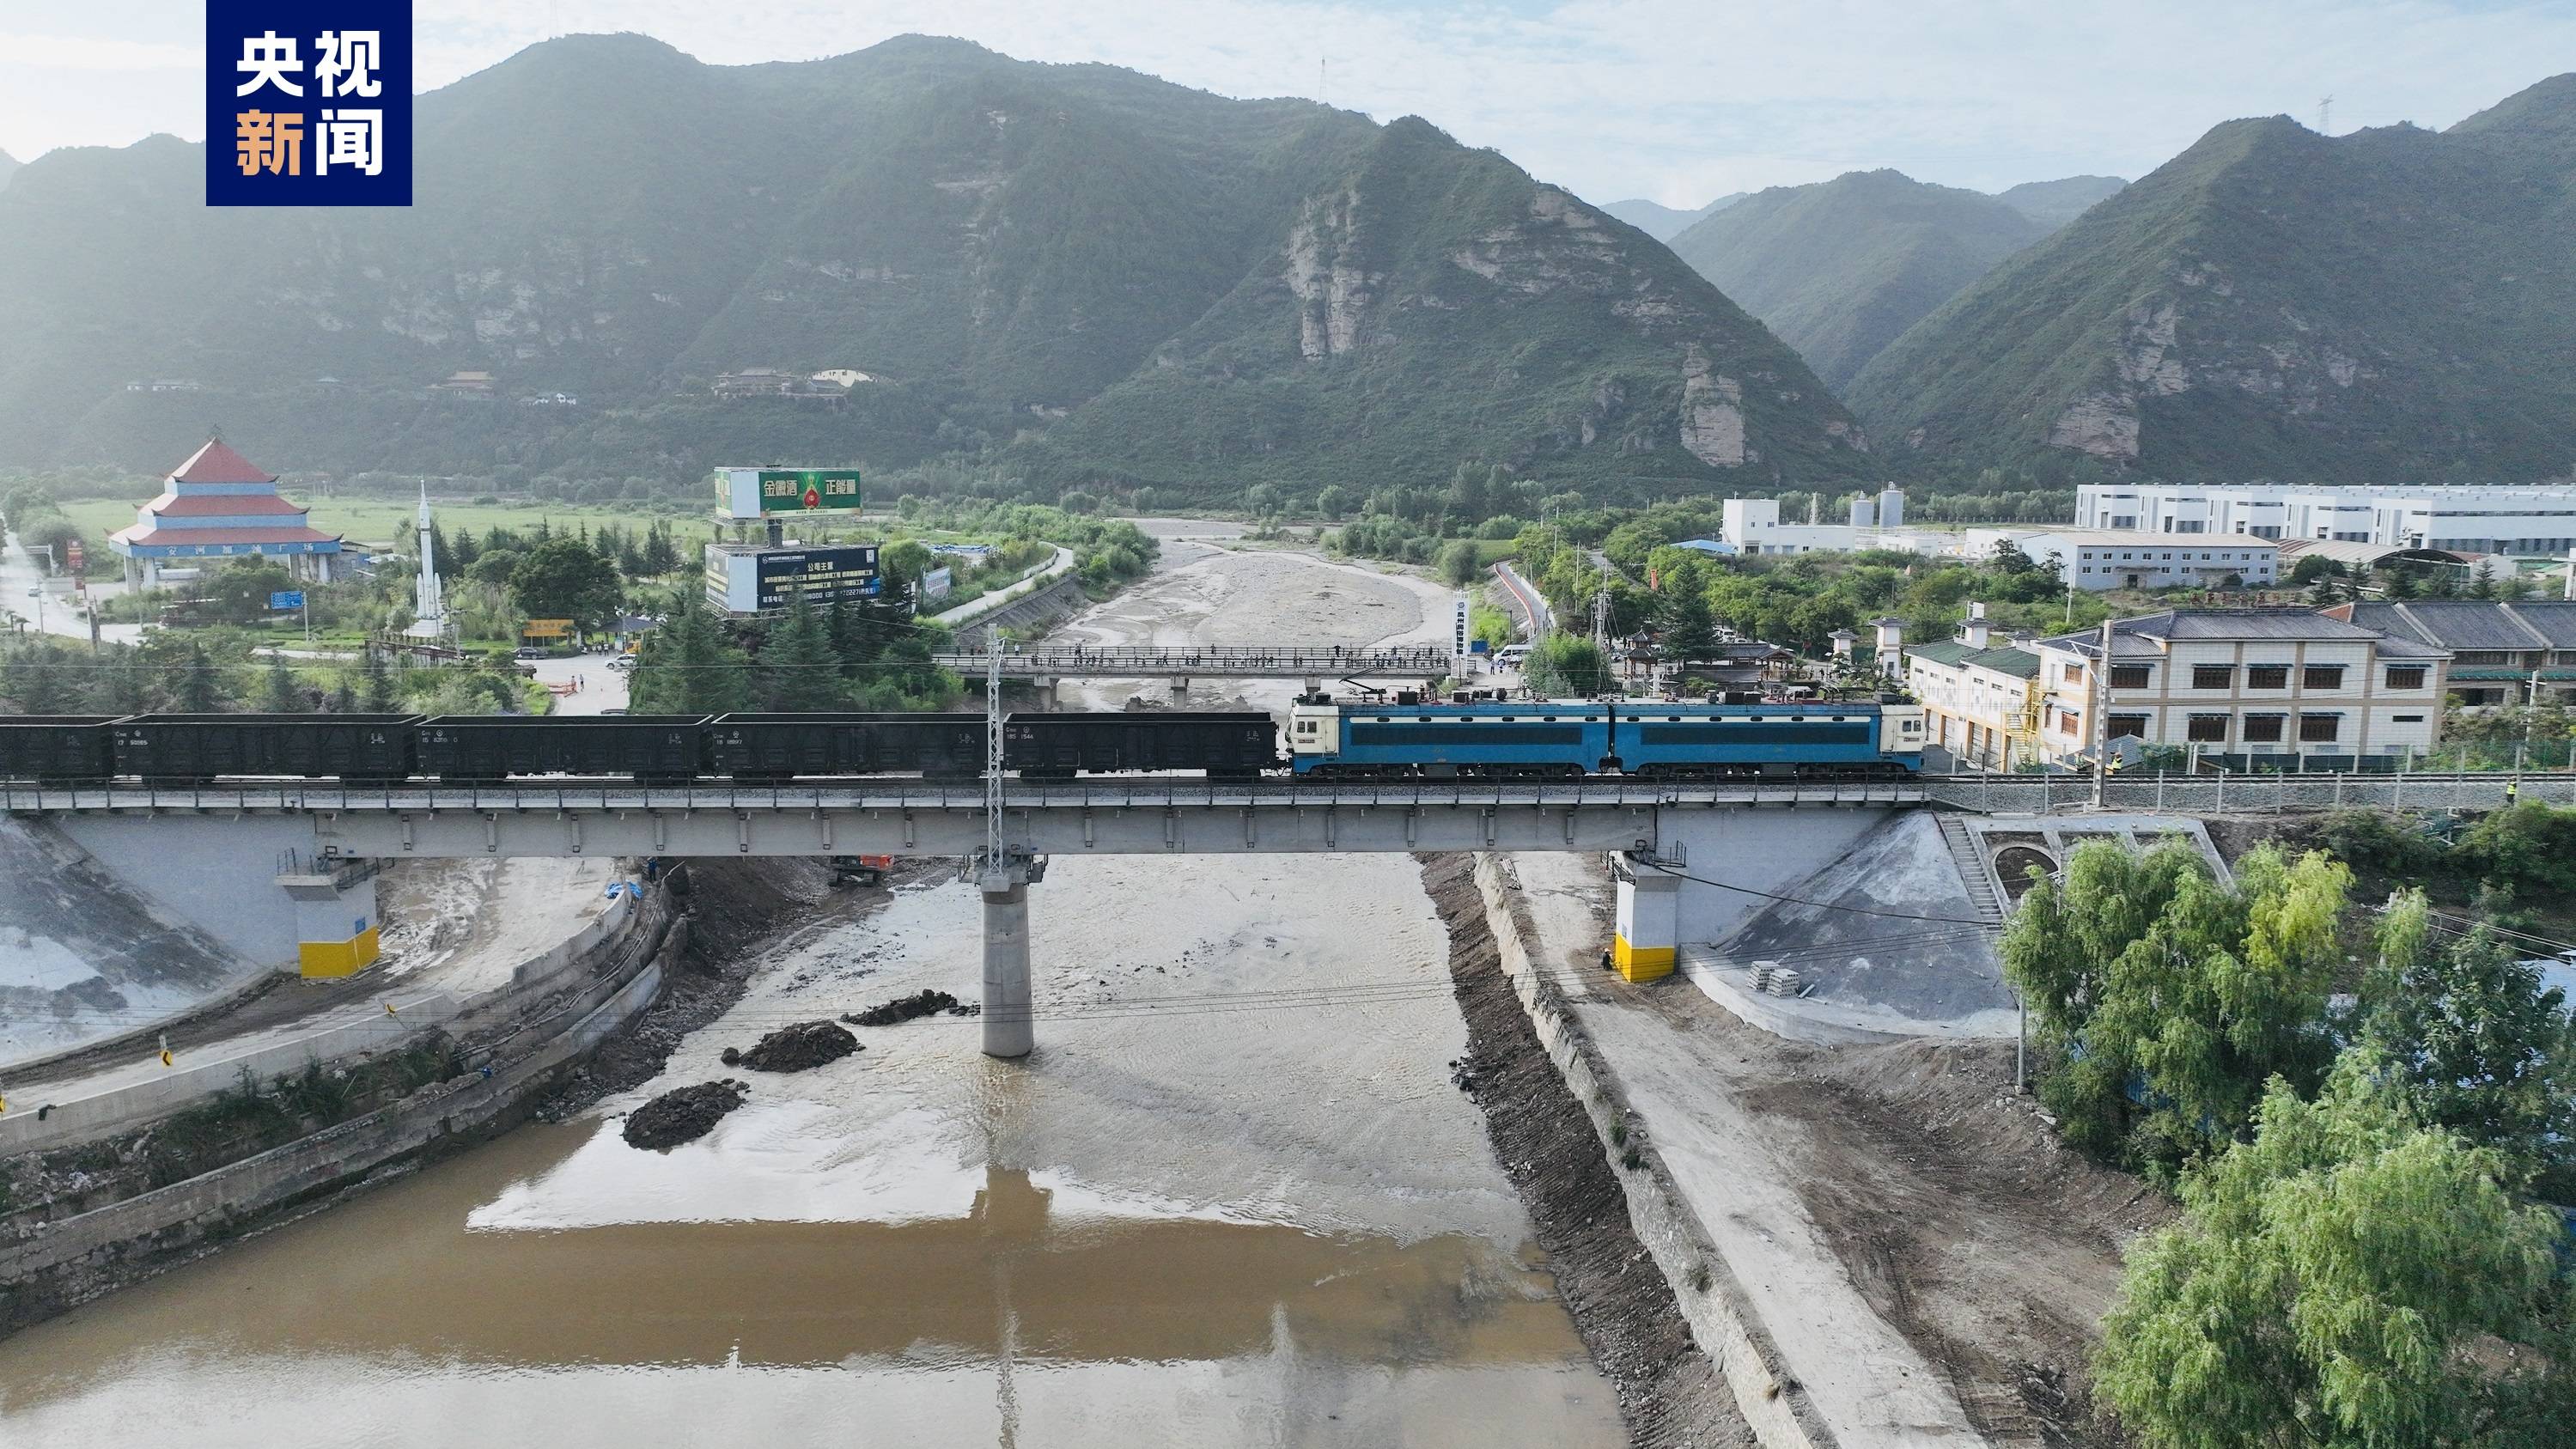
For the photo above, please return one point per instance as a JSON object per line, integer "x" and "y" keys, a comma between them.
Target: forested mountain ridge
{"x": 1079, "y": 272}
{"x": 8, "y": 163}
{"x": 2393, "y": 304}
{"x": 1841, "y": 268}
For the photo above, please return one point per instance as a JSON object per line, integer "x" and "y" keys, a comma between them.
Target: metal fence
{"x": 1137, "y": 792}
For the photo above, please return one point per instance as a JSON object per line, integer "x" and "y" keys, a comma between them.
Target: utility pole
{"x": 2325, "y": 112}
{"x": 2102, "y": 716}
{"x": 992, "y": 749}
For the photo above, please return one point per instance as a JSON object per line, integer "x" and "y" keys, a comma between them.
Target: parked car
{"x": 622, "y": 663}
{"x": 527, "y": 651}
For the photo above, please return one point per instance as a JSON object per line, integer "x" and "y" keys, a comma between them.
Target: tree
{"x": 2347, "y": 1277}
{"x": 376, "y": 686}
{"x": 1458, "y": 567}
{"x": 565, "y": 578}
{"x": 280, "y": 695}
{"x": 691, "y": 666}
{"x": 798, "y": 668}
{"x": 1690, "y": 631}
{"x": 1564, "y": 665}
{"x": 196, "y": 689}
{"x": 2163, "y": 1001}
{"x": 2009, "y": 560}
{"x": 901, "y": 564}
{"x": 2486, "y": 1048}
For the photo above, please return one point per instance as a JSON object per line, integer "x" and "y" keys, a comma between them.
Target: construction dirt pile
{"x": 1670, "y": 1394}
{"x": 796, "y": 1047}
{"x": 906, "y": 1008}
{"x": 683, "y": 1114}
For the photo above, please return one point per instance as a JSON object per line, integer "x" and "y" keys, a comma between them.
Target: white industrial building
{"x": 2532, "y": 520}
{"x": 2099, "y": 559}
{"x": 1753, "y": 526}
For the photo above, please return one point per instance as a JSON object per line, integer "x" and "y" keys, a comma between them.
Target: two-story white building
{"x": 2248, "y": 688}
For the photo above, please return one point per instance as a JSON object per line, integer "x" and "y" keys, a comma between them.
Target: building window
{"x": 2267, "y": 676}
{"x": 2319, "y": 729}
{"x": 2263, "y": 729}
{"x": 2075, "y": 674}
{"x": 2324, "y": 676}
{"x": 2065, "y": 722}
{"x": 2212, "y": 676}
{"x": 2207, "y": 729}
{"x": 2128, "y": 676}
{"x": 2128, "y": 726}
{"x": 2406, "y": 676}
{"x": 2406, "y": 719}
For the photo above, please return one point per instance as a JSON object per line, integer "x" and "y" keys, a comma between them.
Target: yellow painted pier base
{"x": 1640, "y": 963}
{"x": 345, "y": 958}
{"x": 1647, "y": 927}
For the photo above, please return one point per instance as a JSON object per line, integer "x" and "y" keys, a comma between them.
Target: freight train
{"x": 1325, "y": 739}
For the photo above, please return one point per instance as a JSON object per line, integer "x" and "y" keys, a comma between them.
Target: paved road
{"x": 53, "y": 612}
{"x": 602, "y": 688}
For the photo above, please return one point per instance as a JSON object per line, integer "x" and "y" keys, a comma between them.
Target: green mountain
{"x": 2055, "y": 203}
{"x": 2395, "y": 304}
{"x": 1838, "y": 269}
{"x": 1082, "y": 274}
{"x": 8, "y": 164}
{"x": 1663, "y": 223}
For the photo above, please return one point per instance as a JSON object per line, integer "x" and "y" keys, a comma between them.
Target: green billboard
{"x": 754, "y": 492}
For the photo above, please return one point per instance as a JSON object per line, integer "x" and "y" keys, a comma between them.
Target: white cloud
{"x": 1674, "y": 99}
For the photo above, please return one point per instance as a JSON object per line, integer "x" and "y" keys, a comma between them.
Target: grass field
{"x": 373, "y": 520}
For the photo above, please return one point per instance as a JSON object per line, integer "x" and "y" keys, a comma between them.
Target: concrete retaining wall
{"x": 48, "y": 1266}
{"x": 366, "y": 1030}
{"x": 1045, "y": 604}
{"x": 1722, "y": 1317}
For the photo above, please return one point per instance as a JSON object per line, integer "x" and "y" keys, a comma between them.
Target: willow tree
{"x": 2164, "y": 999}
{"x": 2347, "y": 1277}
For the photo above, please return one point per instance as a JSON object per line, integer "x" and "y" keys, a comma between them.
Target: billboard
{"x": 747, "y": 493}
{"x": 746, "y": 580}
{"x": 842, "y": 572}
{"x": 937, "y": 583}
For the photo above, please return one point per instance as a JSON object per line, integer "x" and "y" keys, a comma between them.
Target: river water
{"x": 1232, "y": 1199}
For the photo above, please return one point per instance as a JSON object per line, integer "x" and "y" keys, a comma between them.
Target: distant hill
{"x": 2392, "y": 305}
{"x": 1083, "y": 274}
{"x": 8, "y": 164}
{"x": 2055, "y": 203}
{"x": 1663, "y": 223}
{"x": 1840, "y": 268}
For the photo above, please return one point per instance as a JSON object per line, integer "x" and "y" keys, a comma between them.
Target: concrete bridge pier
{"x": 1009, "y": 1031}
{"x": 1180, "y": 688}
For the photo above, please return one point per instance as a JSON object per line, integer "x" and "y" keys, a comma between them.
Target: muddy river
{"x": 1232, "y": 1199}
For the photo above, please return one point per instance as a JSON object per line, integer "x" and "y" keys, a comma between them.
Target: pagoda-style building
{"x": 215, "y": 507}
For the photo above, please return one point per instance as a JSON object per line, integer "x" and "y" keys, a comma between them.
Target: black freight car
{"x": 56, "y": 747}
{"x": 309, "y": 746}
{"x": 498, "y": 746}
{"x": 1227, "y": 744}
{"x": 780, "y": 746}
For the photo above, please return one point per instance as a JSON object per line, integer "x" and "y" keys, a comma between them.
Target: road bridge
{"x": 1010, "y": 832}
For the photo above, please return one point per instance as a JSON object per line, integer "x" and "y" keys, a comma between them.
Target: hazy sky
{"x": 1675, "y": 100}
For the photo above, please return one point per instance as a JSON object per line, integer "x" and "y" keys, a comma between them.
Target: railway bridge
{"x": 226, "y": 837}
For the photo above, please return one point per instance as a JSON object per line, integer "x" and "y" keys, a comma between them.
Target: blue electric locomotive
{"x": 1634, "y": 737}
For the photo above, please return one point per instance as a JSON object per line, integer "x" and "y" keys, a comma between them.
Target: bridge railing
{"x": 2217, "y": 794}
{"x": 1427, "y": 661}
{"x": 1107, "y": 793}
